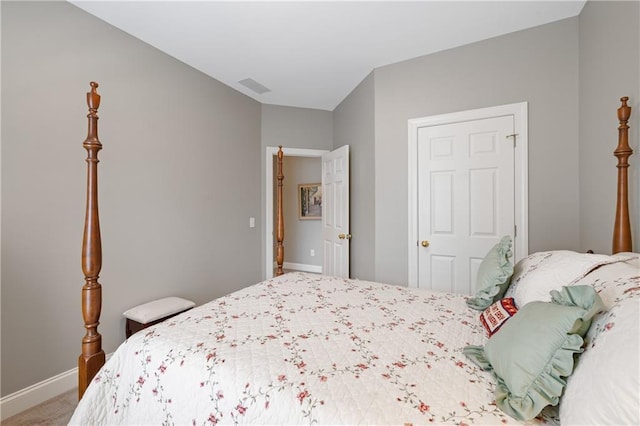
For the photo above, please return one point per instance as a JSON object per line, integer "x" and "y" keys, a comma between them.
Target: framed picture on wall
{"x": 309, "y": 201}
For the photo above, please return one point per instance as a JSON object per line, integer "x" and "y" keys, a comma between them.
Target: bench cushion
{"x": 157, "y": 309}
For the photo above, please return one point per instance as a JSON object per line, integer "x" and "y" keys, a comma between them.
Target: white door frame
{"x": 268, "y": 227}
{"x": 519, "y": 111}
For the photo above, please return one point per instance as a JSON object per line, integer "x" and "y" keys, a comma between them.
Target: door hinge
{"x": 515, "y": 231}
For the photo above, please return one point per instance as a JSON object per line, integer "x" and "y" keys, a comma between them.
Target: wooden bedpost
{"x": 92, "y": 357}
{"x": 622, "y": 227}
{"x": 279, "y": 217}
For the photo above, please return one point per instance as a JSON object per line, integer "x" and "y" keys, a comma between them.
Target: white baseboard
{"x": 33, "y": 395}
{"x": 36, "y": 394}
{"x": 317, "y": 269}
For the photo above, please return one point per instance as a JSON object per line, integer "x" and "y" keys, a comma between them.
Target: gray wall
{"x": 353, "y": 125}
{"x": 301, "y": 236}
{"x": 571, "y": 72}
{"x": 538, "y": 65}
{"x": 296, "y": 127}
{"x": 290, "y": 127}
{"x": 178, "y": 181}
{"x": 609, "y": 69}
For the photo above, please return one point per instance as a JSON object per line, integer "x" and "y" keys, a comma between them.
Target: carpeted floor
{"x": 56, "y": 411}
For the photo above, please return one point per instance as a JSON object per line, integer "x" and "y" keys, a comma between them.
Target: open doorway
{"x": 271, "y": 152}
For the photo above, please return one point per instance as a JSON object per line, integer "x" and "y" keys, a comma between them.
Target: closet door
{"x": 465, "y": 199}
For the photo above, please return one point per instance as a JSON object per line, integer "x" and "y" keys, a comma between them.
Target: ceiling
{"x": 312, "y": 54}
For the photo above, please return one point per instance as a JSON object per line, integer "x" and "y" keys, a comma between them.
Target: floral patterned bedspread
{"x": 301, "y": 349}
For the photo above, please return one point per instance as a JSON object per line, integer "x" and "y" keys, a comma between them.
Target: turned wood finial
{"x": 624, "y": 112}
{"x": 93, "y": 99}
{"x": 93, "y": 102}
{"x": 279, "y": 217}
{"x": 622, "y": 227}
{"x": 92, "y": 356}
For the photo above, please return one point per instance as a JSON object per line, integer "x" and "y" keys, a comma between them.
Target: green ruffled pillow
{"x": 533, "y": 353}
{"x": 493, "y": 275}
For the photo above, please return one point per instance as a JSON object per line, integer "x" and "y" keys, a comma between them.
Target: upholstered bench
{"x": 148, "y": 314}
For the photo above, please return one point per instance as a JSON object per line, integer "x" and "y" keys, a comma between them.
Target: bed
{"x": 311, "y": 349}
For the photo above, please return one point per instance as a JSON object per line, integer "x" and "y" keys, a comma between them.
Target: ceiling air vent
{"x": 254, "y": 85}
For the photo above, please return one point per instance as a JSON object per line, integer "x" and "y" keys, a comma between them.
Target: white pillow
{"x": 605, "y": 385}
{"x": 539, "y": 273}
{"x": 616, "y": 281}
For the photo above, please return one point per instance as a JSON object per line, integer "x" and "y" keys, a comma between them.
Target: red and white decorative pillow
{"x": 497, "y": 314}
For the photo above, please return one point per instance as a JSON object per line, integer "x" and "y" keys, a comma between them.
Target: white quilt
{"x": 301, "y": 349}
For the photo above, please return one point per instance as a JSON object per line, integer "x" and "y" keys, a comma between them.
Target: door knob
{"x": 425, "y": 243}
{"x": 343, "y": 236}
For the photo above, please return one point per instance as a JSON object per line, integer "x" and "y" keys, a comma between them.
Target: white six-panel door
{"x": 465, "y": 198}
{"x": 335, "y": 212}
